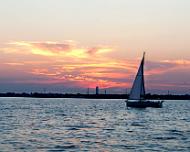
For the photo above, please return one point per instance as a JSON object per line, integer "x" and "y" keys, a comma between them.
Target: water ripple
{"x": 29, "y": 124}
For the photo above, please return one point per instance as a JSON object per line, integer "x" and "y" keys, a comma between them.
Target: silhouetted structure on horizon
{"x": 94, "y": 96}
{"x": 97, "y": 90}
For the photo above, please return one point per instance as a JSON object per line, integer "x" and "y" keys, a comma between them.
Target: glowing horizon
{"x": 57, "y": 63}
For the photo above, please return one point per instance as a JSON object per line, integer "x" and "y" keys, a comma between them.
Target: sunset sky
{"x": 71, "y": 45}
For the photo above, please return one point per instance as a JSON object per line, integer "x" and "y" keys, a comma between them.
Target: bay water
{"x": 33, "y": 124}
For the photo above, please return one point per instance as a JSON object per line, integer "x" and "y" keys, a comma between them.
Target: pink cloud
{"x": 72, "y": 65}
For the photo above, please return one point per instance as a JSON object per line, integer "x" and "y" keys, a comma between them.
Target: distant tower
{"x": 105, "y": 92}
{"x": 97, "y": 90}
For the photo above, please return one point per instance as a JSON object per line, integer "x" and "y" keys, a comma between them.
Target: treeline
{"x": 59, "y": 95}
{"x": 168, "y": 97}
{"x": 93, "y": 96}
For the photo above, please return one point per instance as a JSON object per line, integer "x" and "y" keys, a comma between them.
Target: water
{"x": 30, "y": 124}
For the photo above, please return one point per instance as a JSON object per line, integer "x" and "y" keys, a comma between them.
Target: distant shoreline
{"x": 93, "y": 96}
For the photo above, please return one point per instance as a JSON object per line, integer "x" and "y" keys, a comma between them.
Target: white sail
{"x": 138, "y": 89}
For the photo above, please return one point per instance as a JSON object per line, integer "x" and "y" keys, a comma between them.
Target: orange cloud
{"x": 72, "y": 65}
{"x": 14, "y": 64}
{"x": 44, "y": 72}
{"x": 56, "y": 49}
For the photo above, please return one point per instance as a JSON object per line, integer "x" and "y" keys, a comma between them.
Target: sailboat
{"x": 137, "y": 95}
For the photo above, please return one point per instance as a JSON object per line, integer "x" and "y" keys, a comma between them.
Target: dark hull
{"x": 144, "y": 104}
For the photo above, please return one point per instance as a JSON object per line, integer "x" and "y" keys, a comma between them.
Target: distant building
{"x": 97, "y": 90}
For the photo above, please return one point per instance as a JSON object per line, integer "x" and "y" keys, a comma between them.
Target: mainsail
{"x": 138, "y": 88}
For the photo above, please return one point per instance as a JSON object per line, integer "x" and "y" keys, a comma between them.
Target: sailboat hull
{"x": 144, "y": 104}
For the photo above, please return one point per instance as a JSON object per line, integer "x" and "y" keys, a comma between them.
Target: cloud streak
{"x": 78, "y": 66}
{"x": 57, "y": 49}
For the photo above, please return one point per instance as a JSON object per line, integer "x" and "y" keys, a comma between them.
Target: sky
{"x": 72, "y": 45}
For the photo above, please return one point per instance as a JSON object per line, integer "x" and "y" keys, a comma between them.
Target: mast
{"x": 143, "y": 84}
